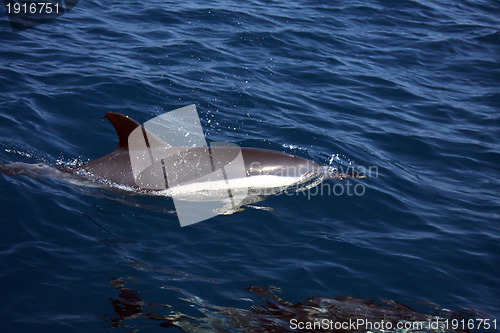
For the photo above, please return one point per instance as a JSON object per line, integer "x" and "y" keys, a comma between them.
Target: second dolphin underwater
{"x": 264, "y": 171}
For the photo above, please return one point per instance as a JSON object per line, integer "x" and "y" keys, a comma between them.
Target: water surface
{"x": 411, "y": 87}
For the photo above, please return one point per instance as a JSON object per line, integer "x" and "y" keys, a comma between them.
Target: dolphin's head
{"x": 267, "y": 162}
{"x": 260, "y": 162}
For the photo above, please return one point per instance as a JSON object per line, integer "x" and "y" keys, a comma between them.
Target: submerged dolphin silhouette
{"x": 280, "y": 168}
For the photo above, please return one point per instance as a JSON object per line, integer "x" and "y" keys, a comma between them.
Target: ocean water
{"x": 409, "y": 90}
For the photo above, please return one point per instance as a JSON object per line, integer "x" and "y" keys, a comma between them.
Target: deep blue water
{"x": 409, "y": 87}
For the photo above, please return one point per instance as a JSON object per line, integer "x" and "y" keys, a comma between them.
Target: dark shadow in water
{"x": 276, "y": 314}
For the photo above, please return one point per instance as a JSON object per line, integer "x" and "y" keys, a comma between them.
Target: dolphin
{"x": 271, "y": 313}
{"x": 264, "y": 168}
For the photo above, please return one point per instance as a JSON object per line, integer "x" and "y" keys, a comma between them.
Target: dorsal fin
{"x": 123, "y": 125}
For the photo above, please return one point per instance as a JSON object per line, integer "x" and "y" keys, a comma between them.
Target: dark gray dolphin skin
{"x": 116, "y": 166}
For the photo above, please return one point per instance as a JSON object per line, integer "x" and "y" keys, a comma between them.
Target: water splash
{"x": 25, "y": 151}
{"x": 340, "y": 167}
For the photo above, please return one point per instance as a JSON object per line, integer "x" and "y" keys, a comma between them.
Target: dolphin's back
{"x": 116, "y": 166}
